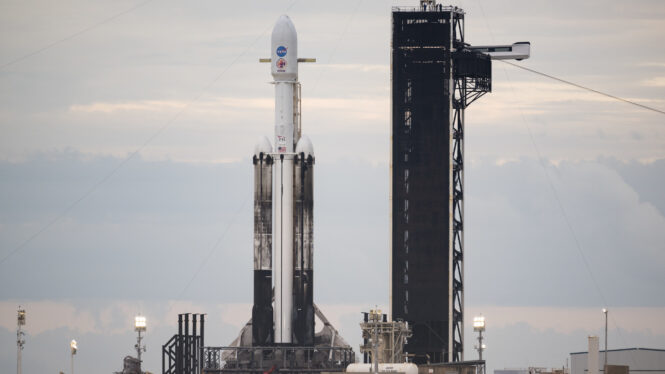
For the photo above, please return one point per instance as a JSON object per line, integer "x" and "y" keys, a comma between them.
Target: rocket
{"x": 283, "y": 209}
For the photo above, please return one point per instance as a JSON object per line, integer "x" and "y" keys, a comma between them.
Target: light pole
{"x": 74, "y": 348}
{"x": 479, "y": 326}
{"x": 605, "y": 312}
{"x": 139, "y": 326}
{"x": 20, "y": 341}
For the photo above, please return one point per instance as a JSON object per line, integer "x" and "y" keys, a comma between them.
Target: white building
{"x": 639, "y": 360}
{"x": 531, "y": 370}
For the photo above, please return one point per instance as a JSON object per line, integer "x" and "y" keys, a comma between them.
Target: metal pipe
{"x": 195, "y": 344}
{"x": 186, "y": 358}
{"x": 202, "y": 338}
{"x": 605, "y": 366}
{"x": 179, "y": 347}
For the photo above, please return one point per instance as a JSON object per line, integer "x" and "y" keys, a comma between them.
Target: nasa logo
{"x": 281, "y": 51}
{"x": 281, "y": 63}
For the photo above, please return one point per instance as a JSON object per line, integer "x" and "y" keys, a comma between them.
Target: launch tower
{"x": 435, "y": 76}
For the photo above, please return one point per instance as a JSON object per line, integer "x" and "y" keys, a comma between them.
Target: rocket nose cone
{"x": 284, "y": 31}
{"x": 305, "y": 146}
{"x": 284, "y": 46}
{"x": 284, "y": 23}
{"x": 262, "y": 146}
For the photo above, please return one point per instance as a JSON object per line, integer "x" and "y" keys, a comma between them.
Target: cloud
{"x": 206, "y": 107}
{"x": 364, "y": 68}
{"x": 176, "y": 222}
{"x": 520, "y": 249}
{"x": 147, "y": 105}
{"x": 567, "y": 320}
{"x": 49, "y": 315}
{"x": 368, "y": 108}
{"x": 143, "y": 219}
{"x": 654, "y": 82}
{"x": 652, "y": 64}
{"x": 646, "y": 178}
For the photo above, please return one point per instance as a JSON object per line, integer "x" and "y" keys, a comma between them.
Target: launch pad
{"x": 329, "y": 353}
{"x": 436, "y": 75}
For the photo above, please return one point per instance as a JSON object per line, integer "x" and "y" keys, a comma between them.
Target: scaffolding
{"x": 385, "y": 338}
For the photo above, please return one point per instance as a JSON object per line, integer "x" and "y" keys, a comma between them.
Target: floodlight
{"x": 74, "y": 348}
{"x": 479, "y": 327}
{"x": 140, "y": 326}
{"x": 21, "y": 317}
{"x": 479, "y": 323}
{"x": 140, "y": 323}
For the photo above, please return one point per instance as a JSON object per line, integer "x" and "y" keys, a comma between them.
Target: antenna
{"x": 20, "y": 340}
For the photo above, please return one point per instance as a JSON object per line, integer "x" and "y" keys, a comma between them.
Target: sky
{"x": 126, "y": 136}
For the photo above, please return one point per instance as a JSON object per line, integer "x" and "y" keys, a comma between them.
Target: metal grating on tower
{"x": 434, "y": 78}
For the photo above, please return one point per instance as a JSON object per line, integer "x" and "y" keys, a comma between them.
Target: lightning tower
{"x": 436, "y": 75}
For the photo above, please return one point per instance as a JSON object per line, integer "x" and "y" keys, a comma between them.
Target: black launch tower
{"x": 435, "y": 76}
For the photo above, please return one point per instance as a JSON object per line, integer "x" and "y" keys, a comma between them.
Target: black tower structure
{"x": 435, "y": 76}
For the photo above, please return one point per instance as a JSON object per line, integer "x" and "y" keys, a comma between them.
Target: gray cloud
{"x": 162, "y": 219}
{"x": 646, "y": 179}
{"x": 520, "y": 250}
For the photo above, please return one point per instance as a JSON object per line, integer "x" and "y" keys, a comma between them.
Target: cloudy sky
{"x": 126, "y": 131}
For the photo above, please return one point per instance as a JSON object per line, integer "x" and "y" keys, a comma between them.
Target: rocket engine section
{"x": 262, "y": 313}
{"x": 303, "y": 277}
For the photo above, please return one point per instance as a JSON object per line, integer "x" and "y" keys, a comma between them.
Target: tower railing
{"x": 276, "y": 358}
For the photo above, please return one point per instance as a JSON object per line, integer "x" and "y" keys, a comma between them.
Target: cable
{"x": 547, "y": 175}
{"x": 584, "y": 88}
{"x": 564, "y": 215}
{"x": 214, "y": 247}
{"x": 139, "y": 149}
{"x": 549, "y": 180}
{"x": 334, "y": 50}
{"x": 74, "y": 35}
{"x": 558, "y": 200}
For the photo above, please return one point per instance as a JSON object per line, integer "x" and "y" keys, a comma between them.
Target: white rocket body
{"x": 284, "y": 69}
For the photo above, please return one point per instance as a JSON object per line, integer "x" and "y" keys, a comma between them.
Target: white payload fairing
{"x": 283, "y": 187}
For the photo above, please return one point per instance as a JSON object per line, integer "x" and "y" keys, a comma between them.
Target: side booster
{"x": 262, "y": 329}
{"x": 283, "y": 210}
